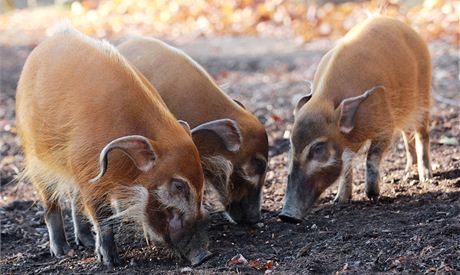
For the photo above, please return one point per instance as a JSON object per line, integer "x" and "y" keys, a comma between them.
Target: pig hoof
{"x": 61, "y": 250}
{"x": 341, "y": 200}
{"x": 86, "y": 240}
{"x": 109, "y": 259}
{"x": 410, "y": 168}
{"x": 289, "y": 219}
{"x": 407, "y": 175}
{"x": 374, "y": 199}
{"x": 425, "y": 175}
{"x": 112, "y": 262}
{"x": 200, "y": 258}
{"x": 372, "y": 192}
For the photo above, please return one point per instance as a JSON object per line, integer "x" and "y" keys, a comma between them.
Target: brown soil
{"x": 415, "y": 228}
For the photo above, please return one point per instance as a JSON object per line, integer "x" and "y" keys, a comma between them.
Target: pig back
{"x": 380, "y": 51}
{"x": 189, "y": 92}
{"x": 76, "y": 95}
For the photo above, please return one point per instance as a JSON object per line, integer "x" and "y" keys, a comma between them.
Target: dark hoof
{"x": 340, "y": 201}
{"x": 373, "y": 193}
{"x": 61, "y": 250}
{"x": 201, "y": 258}
{"x": 289, "y": 219}
{"x": 374, "y": 199}
{"x": 86, "y": 240}
{"x": 113, "y": 262}
{"x": 109, "y": 260}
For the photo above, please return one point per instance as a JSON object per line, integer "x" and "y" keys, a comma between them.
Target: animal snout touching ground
{"x": 190, "y": 239}
{"x": 109, "y": 140}
{"x": 344, "y": 109}
{"x": 237, "y": 175}
{"x": 246, "y": 210}
{"x": 222, "y": 137}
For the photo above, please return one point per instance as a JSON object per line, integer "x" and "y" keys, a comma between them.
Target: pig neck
{"x": 205, "y": 101}
{"x": 216, "y": 105}
{"x": 329, "y": 97}
{"x": 201, "y": 100}
{"x": 190, "y": 93}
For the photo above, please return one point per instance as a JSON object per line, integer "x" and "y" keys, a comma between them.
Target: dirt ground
{"x": 415, "y": 228}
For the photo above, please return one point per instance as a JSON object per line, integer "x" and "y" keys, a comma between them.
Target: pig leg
{"x": 375, "y": 155}
{"x": 422, "y": 144}
{"x": 106, "y": 249}
{"x": 345, "y": 180}
{"x": 81, "y": 225}
{"x": 411, "y": 156}
{"x": 54, "y": 222}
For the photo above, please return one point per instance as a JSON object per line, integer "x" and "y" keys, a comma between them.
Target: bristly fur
{"x": 131, "y": 203}
{"x": 159, "y": 63}
{"x": 163, "y": 195}
{"x": 47, "y": 174}
{"x": 55, "y": 184}
{"x": 217, "y": 170}
{"x": 380, "y": 54}
{"x": 114, "y": 56}
{"x": 74, "y": 96}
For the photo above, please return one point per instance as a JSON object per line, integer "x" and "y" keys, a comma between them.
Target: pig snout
{"x": 190, "y": 238}
{"x": 247, "y": 210}
{"x": 199, "y": 256}
{"x": 300, "y": 195}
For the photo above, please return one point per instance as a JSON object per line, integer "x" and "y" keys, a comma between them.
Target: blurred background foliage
{"x": 29, "y": 21}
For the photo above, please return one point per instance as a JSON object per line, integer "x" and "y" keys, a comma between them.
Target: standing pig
{"x": 93, "y": 128}
{"x": 374, "y": 82}
{"x": 191, "y": 95}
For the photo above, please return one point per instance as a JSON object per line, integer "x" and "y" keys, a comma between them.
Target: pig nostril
{"x": 286, "y": 218}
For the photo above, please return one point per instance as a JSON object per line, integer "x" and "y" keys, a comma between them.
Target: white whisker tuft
{"x": 131, "y": 204}
{"x": 217, "y": 173}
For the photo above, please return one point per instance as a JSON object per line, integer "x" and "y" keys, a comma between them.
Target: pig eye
{"x": 179, "y": 185}
{"x": 318, "y": 149}
{"x": 260, "y": 165}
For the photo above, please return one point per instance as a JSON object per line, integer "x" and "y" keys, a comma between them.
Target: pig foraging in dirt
{"x": 191, "y": 95}
{"x": 375, "y": 82}
{"x": 95, "y": 129}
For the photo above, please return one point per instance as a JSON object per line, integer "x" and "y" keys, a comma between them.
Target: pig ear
{"x": 137, "y": 148}
{"x": 306, "y": 98}
{"x": 185, "y": 125}
{"x": 348, "y": 109}
{"x": 301, "y": 102}
{"x": 226, "y": 129}
{"x": 239, "y": 103}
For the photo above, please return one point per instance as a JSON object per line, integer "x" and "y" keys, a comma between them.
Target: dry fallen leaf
{"x": 260, "y": 264}
{"x": 238, "y": 260}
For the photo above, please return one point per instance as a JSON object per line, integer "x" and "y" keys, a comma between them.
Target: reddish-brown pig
{"x": 93, "y": 128}
{"x": 375, "y": 82}
{"x": 191, "y": 95}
